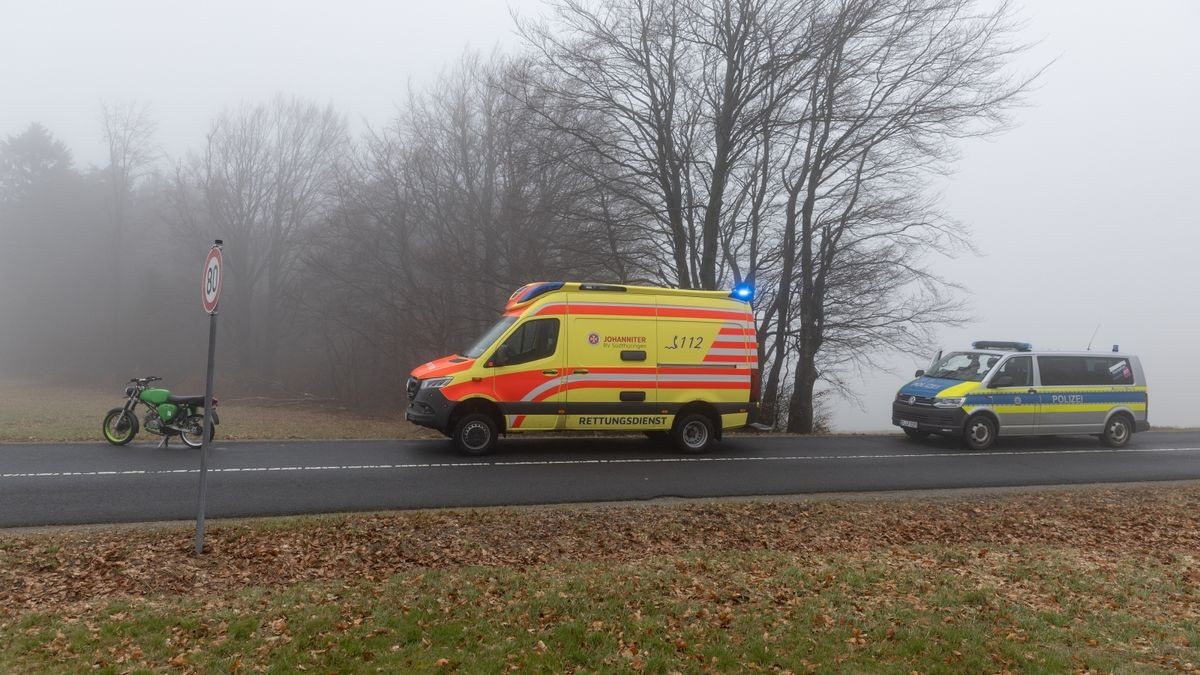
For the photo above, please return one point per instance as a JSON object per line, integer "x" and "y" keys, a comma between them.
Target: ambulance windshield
{"x": 489, "y": 338}
{"x": 964, "y": 366}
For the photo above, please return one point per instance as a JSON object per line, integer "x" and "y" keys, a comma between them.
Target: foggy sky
{"x": 1083, "y": 213}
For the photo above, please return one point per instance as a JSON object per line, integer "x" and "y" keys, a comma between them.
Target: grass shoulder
{"x": 1049, "y": 582}
{"x": 40, "y": 412}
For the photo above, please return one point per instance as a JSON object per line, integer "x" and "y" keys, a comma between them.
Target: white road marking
{"x": 554, "y": 462}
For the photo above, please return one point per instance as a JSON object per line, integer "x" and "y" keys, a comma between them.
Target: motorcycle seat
{"x": 186, "y": 400}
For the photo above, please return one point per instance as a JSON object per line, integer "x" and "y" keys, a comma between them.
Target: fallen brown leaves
{"x": 48, "y": 570}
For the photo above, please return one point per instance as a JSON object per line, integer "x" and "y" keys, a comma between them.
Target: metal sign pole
{"x": 208, "y": 432}
{"x": 211, "y": 295}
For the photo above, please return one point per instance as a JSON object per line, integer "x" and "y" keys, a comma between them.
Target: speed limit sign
{"x": 210, "y": 294}
{"x": 211, "y": 283}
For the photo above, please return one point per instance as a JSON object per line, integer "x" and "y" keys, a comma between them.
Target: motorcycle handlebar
{"x": 145, "y": 380}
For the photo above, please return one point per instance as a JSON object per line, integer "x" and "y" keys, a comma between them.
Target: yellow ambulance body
{"x": 678, "y": 364}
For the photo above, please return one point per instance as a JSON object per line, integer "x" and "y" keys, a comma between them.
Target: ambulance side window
{"x": 533, "y": 340}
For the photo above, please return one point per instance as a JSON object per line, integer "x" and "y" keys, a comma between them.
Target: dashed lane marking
{"x": 557, "y": 462}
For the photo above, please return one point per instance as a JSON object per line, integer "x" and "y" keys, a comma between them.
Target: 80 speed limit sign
{"x": 211, "y": 283}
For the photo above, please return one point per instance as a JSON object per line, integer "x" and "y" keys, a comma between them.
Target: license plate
{"x": 908, "y": 423}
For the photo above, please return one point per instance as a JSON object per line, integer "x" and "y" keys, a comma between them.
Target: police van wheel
{"x": 693, "y": 434}
{"x": 915, "y": 434}
{"x": 980, "y": 432}
{"x": 1117, "y": 432}
{"x": 475, "y": 434}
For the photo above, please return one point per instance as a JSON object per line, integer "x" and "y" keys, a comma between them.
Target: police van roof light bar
{"x": 1011, "y": 346}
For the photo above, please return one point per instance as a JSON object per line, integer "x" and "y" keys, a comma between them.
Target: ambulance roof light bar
{"x": 1010, "y": 346}
{"x": 743, "y": 291}
{"x": 530, "y": 291}
{"x": 603, "y": 287}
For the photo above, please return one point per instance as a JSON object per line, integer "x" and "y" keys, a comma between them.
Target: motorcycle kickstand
{"x": 163, "y": 442}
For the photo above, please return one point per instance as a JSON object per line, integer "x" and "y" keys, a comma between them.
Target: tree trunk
{"x": 801, "y": 412}
{"x": 783, "y": 305}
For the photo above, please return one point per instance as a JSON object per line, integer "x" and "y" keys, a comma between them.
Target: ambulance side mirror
{"x": 919, "y": 373}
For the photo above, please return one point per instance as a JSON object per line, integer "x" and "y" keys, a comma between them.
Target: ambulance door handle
{"x": 581, "y": 371}
{"x": 550, "y": 371}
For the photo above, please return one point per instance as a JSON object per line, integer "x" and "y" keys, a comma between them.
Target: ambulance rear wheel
{"x": 475, "y": 434}
{"x": 693, "y": 434}
{"x": 980, "y": 433}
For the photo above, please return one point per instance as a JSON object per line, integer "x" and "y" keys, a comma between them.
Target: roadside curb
{"x": 931, "y": 495}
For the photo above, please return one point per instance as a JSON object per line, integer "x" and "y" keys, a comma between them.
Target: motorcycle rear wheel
{"x": 120, "y": 426}
{"x": 192, "y": 438}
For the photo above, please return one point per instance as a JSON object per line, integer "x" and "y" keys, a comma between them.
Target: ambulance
{"x": 678, "y": 365}
{"x": 1009, "y": 389}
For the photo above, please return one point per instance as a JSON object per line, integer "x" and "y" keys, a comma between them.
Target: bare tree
{"x": 265, "y": 177}
{"x": 613, "y": 77}
{"x": 900, "y": 82}
{"x": 677, "y": 96}
{"x": 440, "y": 217}
{"x": 128, "y": 131}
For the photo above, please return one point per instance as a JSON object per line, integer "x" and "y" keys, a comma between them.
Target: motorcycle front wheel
{"x": 120, "y": 426}
{"x": 194, "y": 431}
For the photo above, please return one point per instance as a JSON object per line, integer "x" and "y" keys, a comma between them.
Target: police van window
{"x": 1020, "y": 369}
{"x": 1084, "y": 370}
{"x": 964, "y": 366}
{"x": 536, "y": 339}
{"x": 481, "y": 345}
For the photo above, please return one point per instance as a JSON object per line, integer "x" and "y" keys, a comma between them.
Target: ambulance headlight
{"x": 435, "y": 382}
{"x": 949, "y": 402}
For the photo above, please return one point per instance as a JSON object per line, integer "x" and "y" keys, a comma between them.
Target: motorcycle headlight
{"x": 949, "y": 402}
{"x": 436, "y": 382}
{"x": 129, "y": 391}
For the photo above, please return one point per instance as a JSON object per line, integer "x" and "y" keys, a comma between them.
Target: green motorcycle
{"x": 167, "y": 415}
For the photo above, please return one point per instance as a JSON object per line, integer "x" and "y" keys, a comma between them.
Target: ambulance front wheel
{"x": 980, "y": 432}
{"x": 475, "y": 434}
{"x": 693, "y": 434}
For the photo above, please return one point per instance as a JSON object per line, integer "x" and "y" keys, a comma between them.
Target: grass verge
{"x": 1104, "y": 580}
{"x": 40, "y": 412}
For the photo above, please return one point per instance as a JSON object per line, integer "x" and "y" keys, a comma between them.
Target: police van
{"x": 1008, "y": 389}
{"x": 678, "y": 365}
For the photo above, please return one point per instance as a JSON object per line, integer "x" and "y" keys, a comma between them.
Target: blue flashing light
{"x": 534, "y": 290}
{"x": 743, "y": 291}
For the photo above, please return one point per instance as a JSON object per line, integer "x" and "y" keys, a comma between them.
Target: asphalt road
{"x": 49, "y": 484}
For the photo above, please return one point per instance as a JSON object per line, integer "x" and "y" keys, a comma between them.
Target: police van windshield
{"x": 476, "y": 350}
{"x": 964, "y": 366}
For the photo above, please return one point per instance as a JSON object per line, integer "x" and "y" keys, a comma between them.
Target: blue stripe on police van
{"x": 1058, "y": 398}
